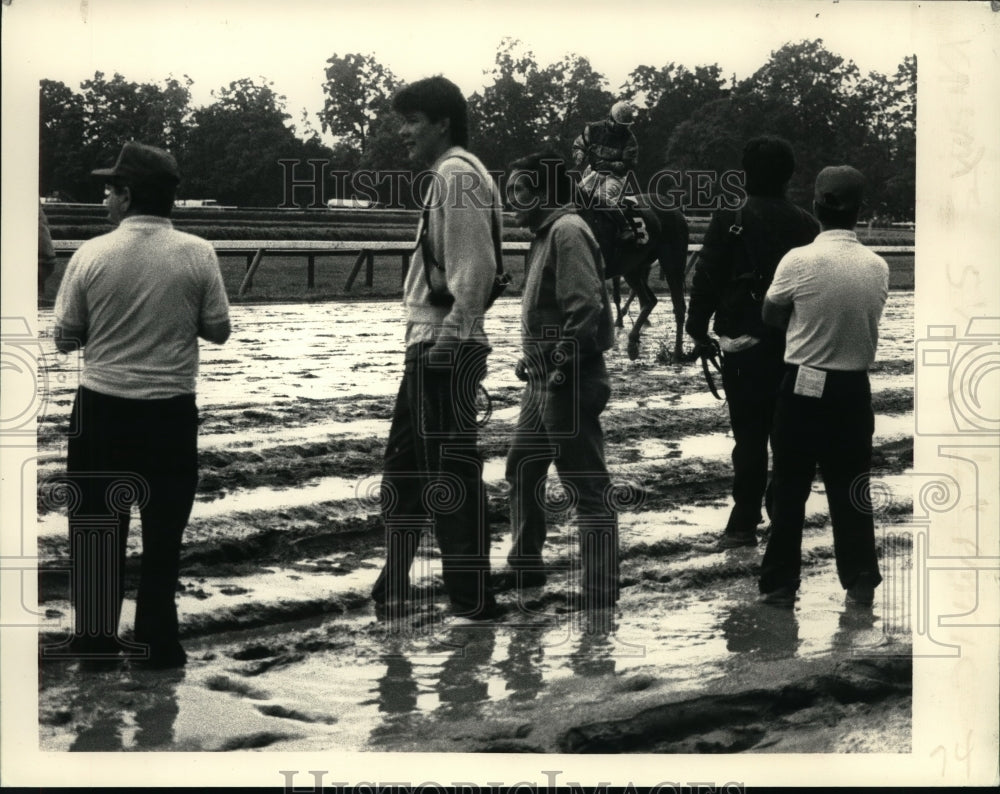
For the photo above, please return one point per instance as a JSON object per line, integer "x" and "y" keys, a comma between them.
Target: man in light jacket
{"x": 566, "y": 325}
{"x": 432, "y": 475}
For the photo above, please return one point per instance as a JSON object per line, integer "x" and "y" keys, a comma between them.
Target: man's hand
{"x": 69, "y": 339}
{"x": 706, "y": 347}
{"x": 215, "y": 332}
{"x": 776, "y": 315}
{"x": 443, "y": 354}
{"x": 556, "y": 380}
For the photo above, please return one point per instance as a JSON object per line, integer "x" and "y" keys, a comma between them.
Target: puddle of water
{"x": 681, "y": 646}
{"x": 652, "y": 450}
{"x": 653, "y": 402}
{"x": 373, "y": 688}
{"x": 353, "y": 428}
{"x": 373, "y": 692}
{"x": 889, "y": 427}
{"x": 316, "y": 350}
{"x": 281, "y": 585}
{"x": 243, "y": 500}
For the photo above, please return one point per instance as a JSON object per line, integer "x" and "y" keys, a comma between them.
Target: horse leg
{"x": 639, "y": 282}
{"x": 674, "y": 267}
{"x": 676, "y": 284}
{"x": 631, "y": 297}
{"x": 616, "y": 293}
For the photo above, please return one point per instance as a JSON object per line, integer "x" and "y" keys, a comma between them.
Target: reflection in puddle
{"x": 358, "y": 683}
{"x": 374, "y": 684}
{"x": 760, "y": 630}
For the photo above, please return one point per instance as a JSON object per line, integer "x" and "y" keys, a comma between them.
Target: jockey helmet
{"x": 623, "y": 112}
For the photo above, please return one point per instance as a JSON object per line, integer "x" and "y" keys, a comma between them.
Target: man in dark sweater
{"x": 739, "y": 255}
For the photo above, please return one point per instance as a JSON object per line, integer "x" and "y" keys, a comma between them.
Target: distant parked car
{"x": 351, "y": 203}
{"x": 196, "y": 203}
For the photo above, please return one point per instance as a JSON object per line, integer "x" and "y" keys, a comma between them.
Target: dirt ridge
{"x": 673, "y": 725}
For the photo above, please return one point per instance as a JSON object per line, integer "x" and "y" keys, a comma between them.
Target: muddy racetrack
{"x": 285, "y": 542}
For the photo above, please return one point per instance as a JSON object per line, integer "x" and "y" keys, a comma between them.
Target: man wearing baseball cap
{"x": 136, "y": 300}
{"x": 829, "y": 295}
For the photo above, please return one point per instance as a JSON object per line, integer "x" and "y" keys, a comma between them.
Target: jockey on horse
{"x": 609, "y": 151}
{"x": 630, "y": 243}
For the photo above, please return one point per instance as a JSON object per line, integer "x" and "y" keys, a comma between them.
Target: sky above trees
{"x": 219, "y": 41}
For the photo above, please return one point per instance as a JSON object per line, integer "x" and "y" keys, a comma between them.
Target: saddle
{"x": 629, "y": 205}
{"x": 608, "y": 232}
{"x": 614, "y": 250}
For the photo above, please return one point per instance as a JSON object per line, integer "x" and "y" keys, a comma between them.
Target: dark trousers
{"x": 834, "y": 431}
{"x": 124, "y": 452}
{"x": 433, "y": 475}
{"x": 751, "y": 379}
{"x": 562, "y": 425}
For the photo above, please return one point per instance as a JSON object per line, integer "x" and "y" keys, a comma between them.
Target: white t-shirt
{"x": 140, "y": 293}
{"x": 837, "y": 289}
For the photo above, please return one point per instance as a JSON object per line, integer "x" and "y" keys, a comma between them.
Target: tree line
{"x": 688, "y": 121}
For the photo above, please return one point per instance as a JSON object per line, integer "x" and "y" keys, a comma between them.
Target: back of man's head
{"x": 548, "y": 175}
{"x": 839, "y": 192}
{"x": 150, "y": 174}
{"x": 438, "y": 98}
{"x": 769, "y": 163}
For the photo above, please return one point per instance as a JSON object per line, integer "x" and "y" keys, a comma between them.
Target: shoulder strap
{"x": 737, "y": 231}
{"x": 425, "y": 247}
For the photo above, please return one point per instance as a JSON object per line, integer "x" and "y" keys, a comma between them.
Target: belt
{"x": 831, "y": 372}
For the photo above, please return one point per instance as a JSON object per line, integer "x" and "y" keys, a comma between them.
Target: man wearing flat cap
{"x": 137, "y": 300}
{"x": 829, "y": 295}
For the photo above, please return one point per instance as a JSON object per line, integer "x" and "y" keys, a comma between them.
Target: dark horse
{"x": 662, "y": 235}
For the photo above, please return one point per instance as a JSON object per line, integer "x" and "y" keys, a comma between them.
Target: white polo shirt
{"x": 140, "y": 293}
{"x": 837, "y": 289}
